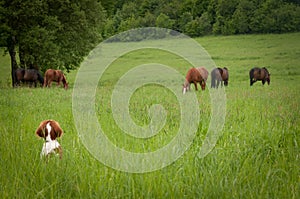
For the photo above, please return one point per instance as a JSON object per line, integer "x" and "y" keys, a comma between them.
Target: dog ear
{"x": 40, "y": 131}
{"x": 57, "y": 129}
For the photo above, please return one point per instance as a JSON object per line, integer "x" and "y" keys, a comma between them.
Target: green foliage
{"x": 213, "y": 16}
{"x": 276, "y": 16}
{"x": 164, "y": 21}
{"x": 242, "y": 16}
{"x": 51, "y": 34}
{"x": 199, "y": 26}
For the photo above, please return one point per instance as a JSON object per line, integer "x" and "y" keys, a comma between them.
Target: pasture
{"x": 257, "y": 155}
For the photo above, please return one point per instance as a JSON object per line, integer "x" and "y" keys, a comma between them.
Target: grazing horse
{"x": 56, "y": 76}
{"x": 261, "y": 74}
{"x": 28, "y": 75}
{"x": 219, "y": 75}
{"x": 195, "y": 75}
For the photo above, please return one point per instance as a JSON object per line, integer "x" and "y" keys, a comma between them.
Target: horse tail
{"x": 45, "y": 79}
{"x": 251, "y": 75}
{"x": 40, "y": 78}
{"x": 15, "y": 80}
{"x": 213, "y": 79}
{"x": 64, "y": 80}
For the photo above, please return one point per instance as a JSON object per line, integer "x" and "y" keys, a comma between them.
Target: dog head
{"x": 49, "y": 129}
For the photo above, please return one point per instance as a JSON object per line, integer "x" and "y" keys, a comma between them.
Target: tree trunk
{"x": 12, "y": 52}
{"x": 22, "y": 57}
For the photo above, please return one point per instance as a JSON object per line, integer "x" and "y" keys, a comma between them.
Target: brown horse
{"x": 56, "y": 76}
{"x": 261, "y": 74}
{"x": 195, "y": 75}
{"x": 219, "y": 75}
{"x": 31, "y": 76}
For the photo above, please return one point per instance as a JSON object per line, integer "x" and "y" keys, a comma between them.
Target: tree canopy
{"x": 202, "y": 17}
{"x": 52, "y": 33}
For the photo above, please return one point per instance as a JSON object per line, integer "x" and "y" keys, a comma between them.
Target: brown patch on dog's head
{"x": 56, "y": 130}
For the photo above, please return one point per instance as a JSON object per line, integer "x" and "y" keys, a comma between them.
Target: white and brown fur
{"x": 50, "y": 130}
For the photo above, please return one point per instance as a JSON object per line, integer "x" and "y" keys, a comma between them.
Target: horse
{"x": 28, "y": 75}
{"x": 219, "y": 75}
{"x": 261, "y": 74}
{"x": 56, "y": 76}
{"x": 195, "y": 75}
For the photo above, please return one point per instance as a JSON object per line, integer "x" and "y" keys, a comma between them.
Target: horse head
{"x": 203, "y": 84}
{"x": 66, "y": 85}
{"x": 185, "y": 87}
{"x": 64, "y": 81}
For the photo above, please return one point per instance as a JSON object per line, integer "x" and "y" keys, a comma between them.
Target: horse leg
{"x": 203, "y": 84}
{"x": 263, "y": 82}
{"x": 195, "y": 83}
{"x": 17, "y": 83}
{"x": 212, "y": 85}
{"x": 45, "y": 82}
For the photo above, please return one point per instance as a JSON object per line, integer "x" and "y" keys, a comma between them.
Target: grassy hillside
{"x": 257, "y": 155}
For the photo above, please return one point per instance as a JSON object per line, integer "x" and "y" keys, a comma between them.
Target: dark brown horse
{"x": 31, "y": 76}
{"x": 195, "y": 75}
{"x": 259, "y": 74}
{"x": 52, "y": 75}
{"x": 219, "y": 75}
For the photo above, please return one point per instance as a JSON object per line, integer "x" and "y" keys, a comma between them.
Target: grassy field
{"x": 257, "y": 155}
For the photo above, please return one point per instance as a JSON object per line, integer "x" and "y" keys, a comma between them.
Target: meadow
{"x": 256, "y": 156}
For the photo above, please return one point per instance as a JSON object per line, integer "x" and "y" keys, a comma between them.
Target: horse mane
{"x": 40, "y": 77}
{"x": 63, "y": 78}
{"x": 264, "y": 68}
{"x": 220, "y": 71}
{"x": 186, "y": 82}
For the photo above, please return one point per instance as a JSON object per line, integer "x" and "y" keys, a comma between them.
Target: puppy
{"x": 50, "y": 130}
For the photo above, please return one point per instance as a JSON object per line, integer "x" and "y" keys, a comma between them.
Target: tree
{"x": 241, "y": 18}
{"x": 164, "y": 21}
{"x": 184, "y": 19}
{"x": 225, "y": 10}
{"x": 199, "y": 26}
{"x": 202, "y": 17}
{"x": 53, "y": 33}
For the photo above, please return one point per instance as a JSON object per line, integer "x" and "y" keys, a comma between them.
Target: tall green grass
{"x": 257, "y": 155}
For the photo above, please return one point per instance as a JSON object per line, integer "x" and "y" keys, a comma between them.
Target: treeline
{"x": 59, "y": 34}
{"x": 203, "y": 17}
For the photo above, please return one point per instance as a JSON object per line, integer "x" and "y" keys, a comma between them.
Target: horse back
{"x": 203, "y": 72}
{"x": 254, "y": 73}
{"x": 192, "y": 75}
{"x": 19, "y": 73}
{"x": 30, "y": 75}
{"x": 225, "y": 74}
{"x": 215, "y": 74}
{"x": 52, "y": 75}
